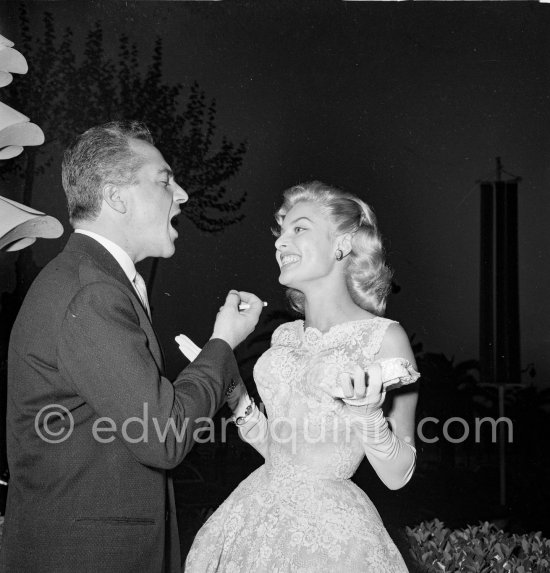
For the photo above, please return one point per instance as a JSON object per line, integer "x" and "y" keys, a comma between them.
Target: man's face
{"x": 152, "y": 202}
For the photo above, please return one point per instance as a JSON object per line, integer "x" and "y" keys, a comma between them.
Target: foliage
{"x": 482, "y": 549}
{"x": 449, "y": 385}
{"x": 66, "y": 94}
{"x": 447, "y": 390}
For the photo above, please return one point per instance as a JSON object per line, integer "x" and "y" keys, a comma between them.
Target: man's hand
{"x": 233, "y": 325}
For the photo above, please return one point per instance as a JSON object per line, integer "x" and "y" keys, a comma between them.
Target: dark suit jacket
{"x": 83, "y": 341}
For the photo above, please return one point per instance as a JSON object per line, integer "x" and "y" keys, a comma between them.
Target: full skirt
{"x": 280, "y": 523}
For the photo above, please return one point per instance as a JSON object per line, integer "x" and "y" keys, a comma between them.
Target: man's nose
{"x": 180, "y": 196}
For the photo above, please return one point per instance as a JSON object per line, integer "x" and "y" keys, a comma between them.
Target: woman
{"x": 300, "y": 511}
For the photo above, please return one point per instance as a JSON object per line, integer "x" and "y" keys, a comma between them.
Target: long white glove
{"x": 392, "y": 458}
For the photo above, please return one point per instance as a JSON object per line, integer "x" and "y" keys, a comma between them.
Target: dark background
{"x": 407, "y": 105}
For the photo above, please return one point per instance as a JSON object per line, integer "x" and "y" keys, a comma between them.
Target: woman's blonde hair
{"x": 367, "y": 277}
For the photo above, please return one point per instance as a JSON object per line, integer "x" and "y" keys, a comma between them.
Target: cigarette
{"x": 246, "y": 306}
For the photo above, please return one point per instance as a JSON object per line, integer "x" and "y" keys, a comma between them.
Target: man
{"x": 92, "y": 423}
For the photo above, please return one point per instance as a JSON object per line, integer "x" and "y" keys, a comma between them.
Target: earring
{"x": 339, "y": 254}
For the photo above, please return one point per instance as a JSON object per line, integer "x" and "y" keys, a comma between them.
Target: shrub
{"x": 481, "y": 549}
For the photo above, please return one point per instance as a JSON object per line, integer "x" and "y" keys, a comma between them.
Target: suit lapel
{"x": 102, "y": 257}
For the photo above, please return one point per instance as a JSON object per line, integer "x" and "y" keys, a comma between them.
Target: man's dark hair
{"x": 101, "y": 155}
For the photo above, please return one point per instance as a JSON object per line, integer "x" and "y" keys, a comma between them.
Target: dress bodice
{"x": 309, "y": 435}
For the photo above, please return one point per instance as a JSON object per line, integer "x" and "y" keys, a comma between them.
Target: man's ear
{"x": 114, "y": 196}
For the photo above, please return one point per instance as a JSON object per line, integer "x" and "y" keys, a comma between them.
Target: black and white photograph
{"x": 273, "y": 286}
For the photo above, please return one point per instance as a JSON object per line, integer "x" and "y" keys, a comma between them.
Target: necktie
{"x": 141, "y": 289}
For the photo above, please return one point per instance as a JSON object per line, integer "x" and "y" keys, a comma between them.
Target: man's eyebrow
{"x": 166, "y": 171}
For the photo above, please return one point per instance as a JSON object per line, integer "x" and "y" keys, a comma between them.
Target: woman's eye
{"x": 298, "y": 229}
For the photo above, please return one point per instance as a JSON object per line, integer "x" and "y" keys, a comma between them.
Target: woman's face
{"x": 306, "y": 247}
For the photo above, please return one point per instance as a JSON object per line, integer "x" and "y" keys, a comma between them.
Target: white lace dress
{"x": 300, "y": 512}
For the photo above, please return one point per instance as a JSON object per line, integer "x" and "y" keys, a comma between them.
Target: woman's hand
{"x": 356, "y": 387}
